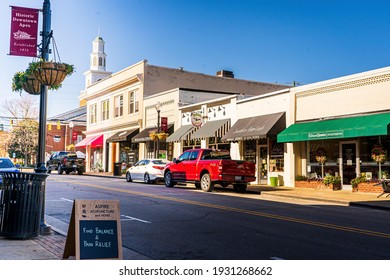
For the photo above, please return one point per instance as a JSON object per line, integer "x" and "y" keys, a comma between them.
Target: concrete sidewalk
{"x": 51, "y": 247}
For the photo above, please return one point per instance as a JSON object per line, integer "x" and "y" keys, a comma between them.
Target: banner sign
{"x": 24, "y": 31}
{"x": 164, "y": 124}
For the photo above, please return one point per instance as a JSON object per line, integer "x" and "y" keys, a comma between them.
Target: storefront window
{"x": 368, "y": 166}
{"x": 250, "y": 150}
{"x": 320, "y": 149}
{"x": 276, "y": 162}
{"x": 128, "y": 153}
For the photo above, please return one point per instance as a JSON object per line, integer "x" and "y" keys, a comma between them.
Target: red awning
{"x": 93, "y": 141}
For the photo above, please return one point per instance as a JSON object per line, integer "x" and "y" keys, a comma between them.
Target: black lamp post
{"x": 41, "y": 166}
{"x": 158, "y": 109}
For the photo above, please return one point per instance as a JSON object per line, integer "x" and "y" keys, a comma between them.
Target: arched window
{"x": 100, "y": 61}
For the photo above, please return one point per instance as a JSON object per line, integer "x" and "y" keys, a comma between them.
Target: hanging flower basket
{"x": 378, "y": 153}
{"x": 153, "y": 134}
{"x": 24, "y": 80}
{"x": 51, "y": 73}
{"x": 162, "y": 135}
{"x": 32, "y": 85}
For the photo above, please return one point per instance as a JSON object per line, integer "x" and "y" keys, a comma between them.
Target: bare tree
{"x": 25, "y": 107}
{"x": 23, "y": 136}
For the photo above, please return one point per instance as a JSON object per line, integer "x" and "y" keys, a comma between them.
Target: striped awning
{"x": 212, "y": 129}
{"x": 181, "y": 133}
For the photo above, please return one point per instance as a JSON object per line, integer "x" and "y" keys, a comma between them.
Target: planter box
{"x": 368, "y": 188}
{"x": 316, "y": 185}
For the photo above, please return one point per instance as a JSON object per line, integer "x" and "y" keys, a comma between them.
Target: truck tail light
{"x": 220, "y": 167}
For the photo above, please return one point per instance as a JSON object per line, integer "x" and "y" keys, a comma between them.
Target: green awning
{"x": 369, "y": 125}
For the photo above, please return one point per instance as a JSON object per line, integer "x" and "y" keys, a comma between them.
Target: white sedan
{"x": 147, "y": 170}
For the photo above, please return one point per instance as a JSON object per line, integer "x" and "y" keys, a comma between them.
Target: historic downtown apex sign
{"x": 24, "y": 31}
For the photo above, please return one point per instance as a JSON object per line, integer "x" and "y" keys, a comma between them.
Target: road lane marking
{"x": 65, "y": 199}
{"x": 244, "y": 211}
{"x": 128, "y": 218}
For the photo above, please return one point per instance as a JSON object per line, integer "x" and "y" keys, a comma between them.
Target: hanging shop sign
{"x": 196, "y": 119}
{"x": 24, "y": 31}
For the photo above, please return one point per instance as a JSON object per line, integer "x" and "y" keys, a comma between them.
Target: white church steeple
{"x": 97, "y": 69}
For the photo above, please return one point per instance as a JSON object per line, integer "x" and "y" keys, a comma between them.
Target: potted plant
{"x": 333, "y": 181}
{"x": 378, "y": 154}
{"x": 50, "y": 73}
{"x": 321, "y": 159}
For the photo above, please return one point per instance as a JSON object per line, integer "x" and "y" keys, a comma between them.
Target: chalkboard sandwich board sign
{"x": 94, "y": 230}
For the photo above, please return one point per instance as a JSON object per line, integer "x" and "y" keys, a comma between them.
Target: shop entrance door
{"x": 263, "y": 166}
{"x": 348, "y": 162}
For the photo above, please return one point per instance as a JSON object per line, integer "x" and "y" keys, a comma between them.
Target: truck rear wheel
{"x": 206, "y": 184}
{"x": 168, "y": 179}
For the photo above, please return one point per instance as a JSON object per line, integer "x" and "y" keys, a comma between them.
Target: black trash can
{"x": 117, "y": 169}
{"x": 20, "y": 204}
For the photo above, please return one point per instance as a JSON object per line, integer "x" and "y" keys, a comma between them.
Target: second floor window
{"x": 133, "y": 102}
{"x": 105, "y": 110}
{"x": 118, "y": 106}
{"x": 92, "y": 113}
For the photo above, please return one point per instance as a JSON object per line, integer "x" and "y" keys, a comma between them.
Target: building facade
{"x": 116, "y": 110}
{"x": 339, "y": 125}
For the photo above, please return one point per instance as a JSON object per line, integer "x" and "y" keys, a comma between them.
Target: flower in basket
{"x": 153, "y": 134}
{"x": 321, "y": 155}
{"x": 162, "y": 135}
{"x": 25, "y": 80}
{"x": 50, "y": 73}
{"x": 378, "y": 154}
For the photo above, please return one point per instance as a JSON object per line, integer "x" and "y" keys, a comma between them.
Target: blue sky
{"x": 270, "y": 41}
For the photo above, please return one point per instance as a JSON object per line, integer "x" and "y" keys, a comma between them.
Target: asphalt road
{"x": 187, "y": 224}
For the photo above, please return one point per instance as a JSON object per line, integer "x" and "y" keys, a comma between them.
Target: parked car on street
{"x": 66, "y": 162}
{"x": 206, "y": 167}
{"x": 6, "y": 165}
{"x": 147, "y": 170}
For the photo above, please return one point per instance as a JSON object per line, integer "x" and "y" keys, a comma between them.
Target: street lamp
{"x": 71, "y": 125}
{"x": 158, "y": 109}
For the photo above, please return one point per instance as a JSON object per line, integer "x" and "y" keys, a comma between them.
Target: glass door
{"x": 348, "y": 162}
{"x": 262, "y": 166}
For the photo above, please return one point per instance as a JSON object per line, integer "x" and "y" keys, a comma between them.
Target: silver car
{"x": 147, "y": 170}
{"x": 6, "y": 165}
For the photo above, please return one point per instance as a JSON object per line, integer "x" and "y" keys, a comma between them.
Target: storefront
{"x": 340, "y": 127}
{"x": 345, "y": 147}
{"x": 122, "y": 148}
{"x": 151, "y": 142}
{"x": 257, "y": 139}
{"x": 94, "y": 152}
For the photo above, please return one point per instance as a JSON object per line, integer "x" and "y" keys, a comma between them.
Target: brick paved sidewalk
{"x": 54, "y": 243}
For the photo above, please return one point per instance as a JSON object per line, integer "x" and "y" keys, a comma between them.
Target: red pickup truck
{"x": 206, "y": 167}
